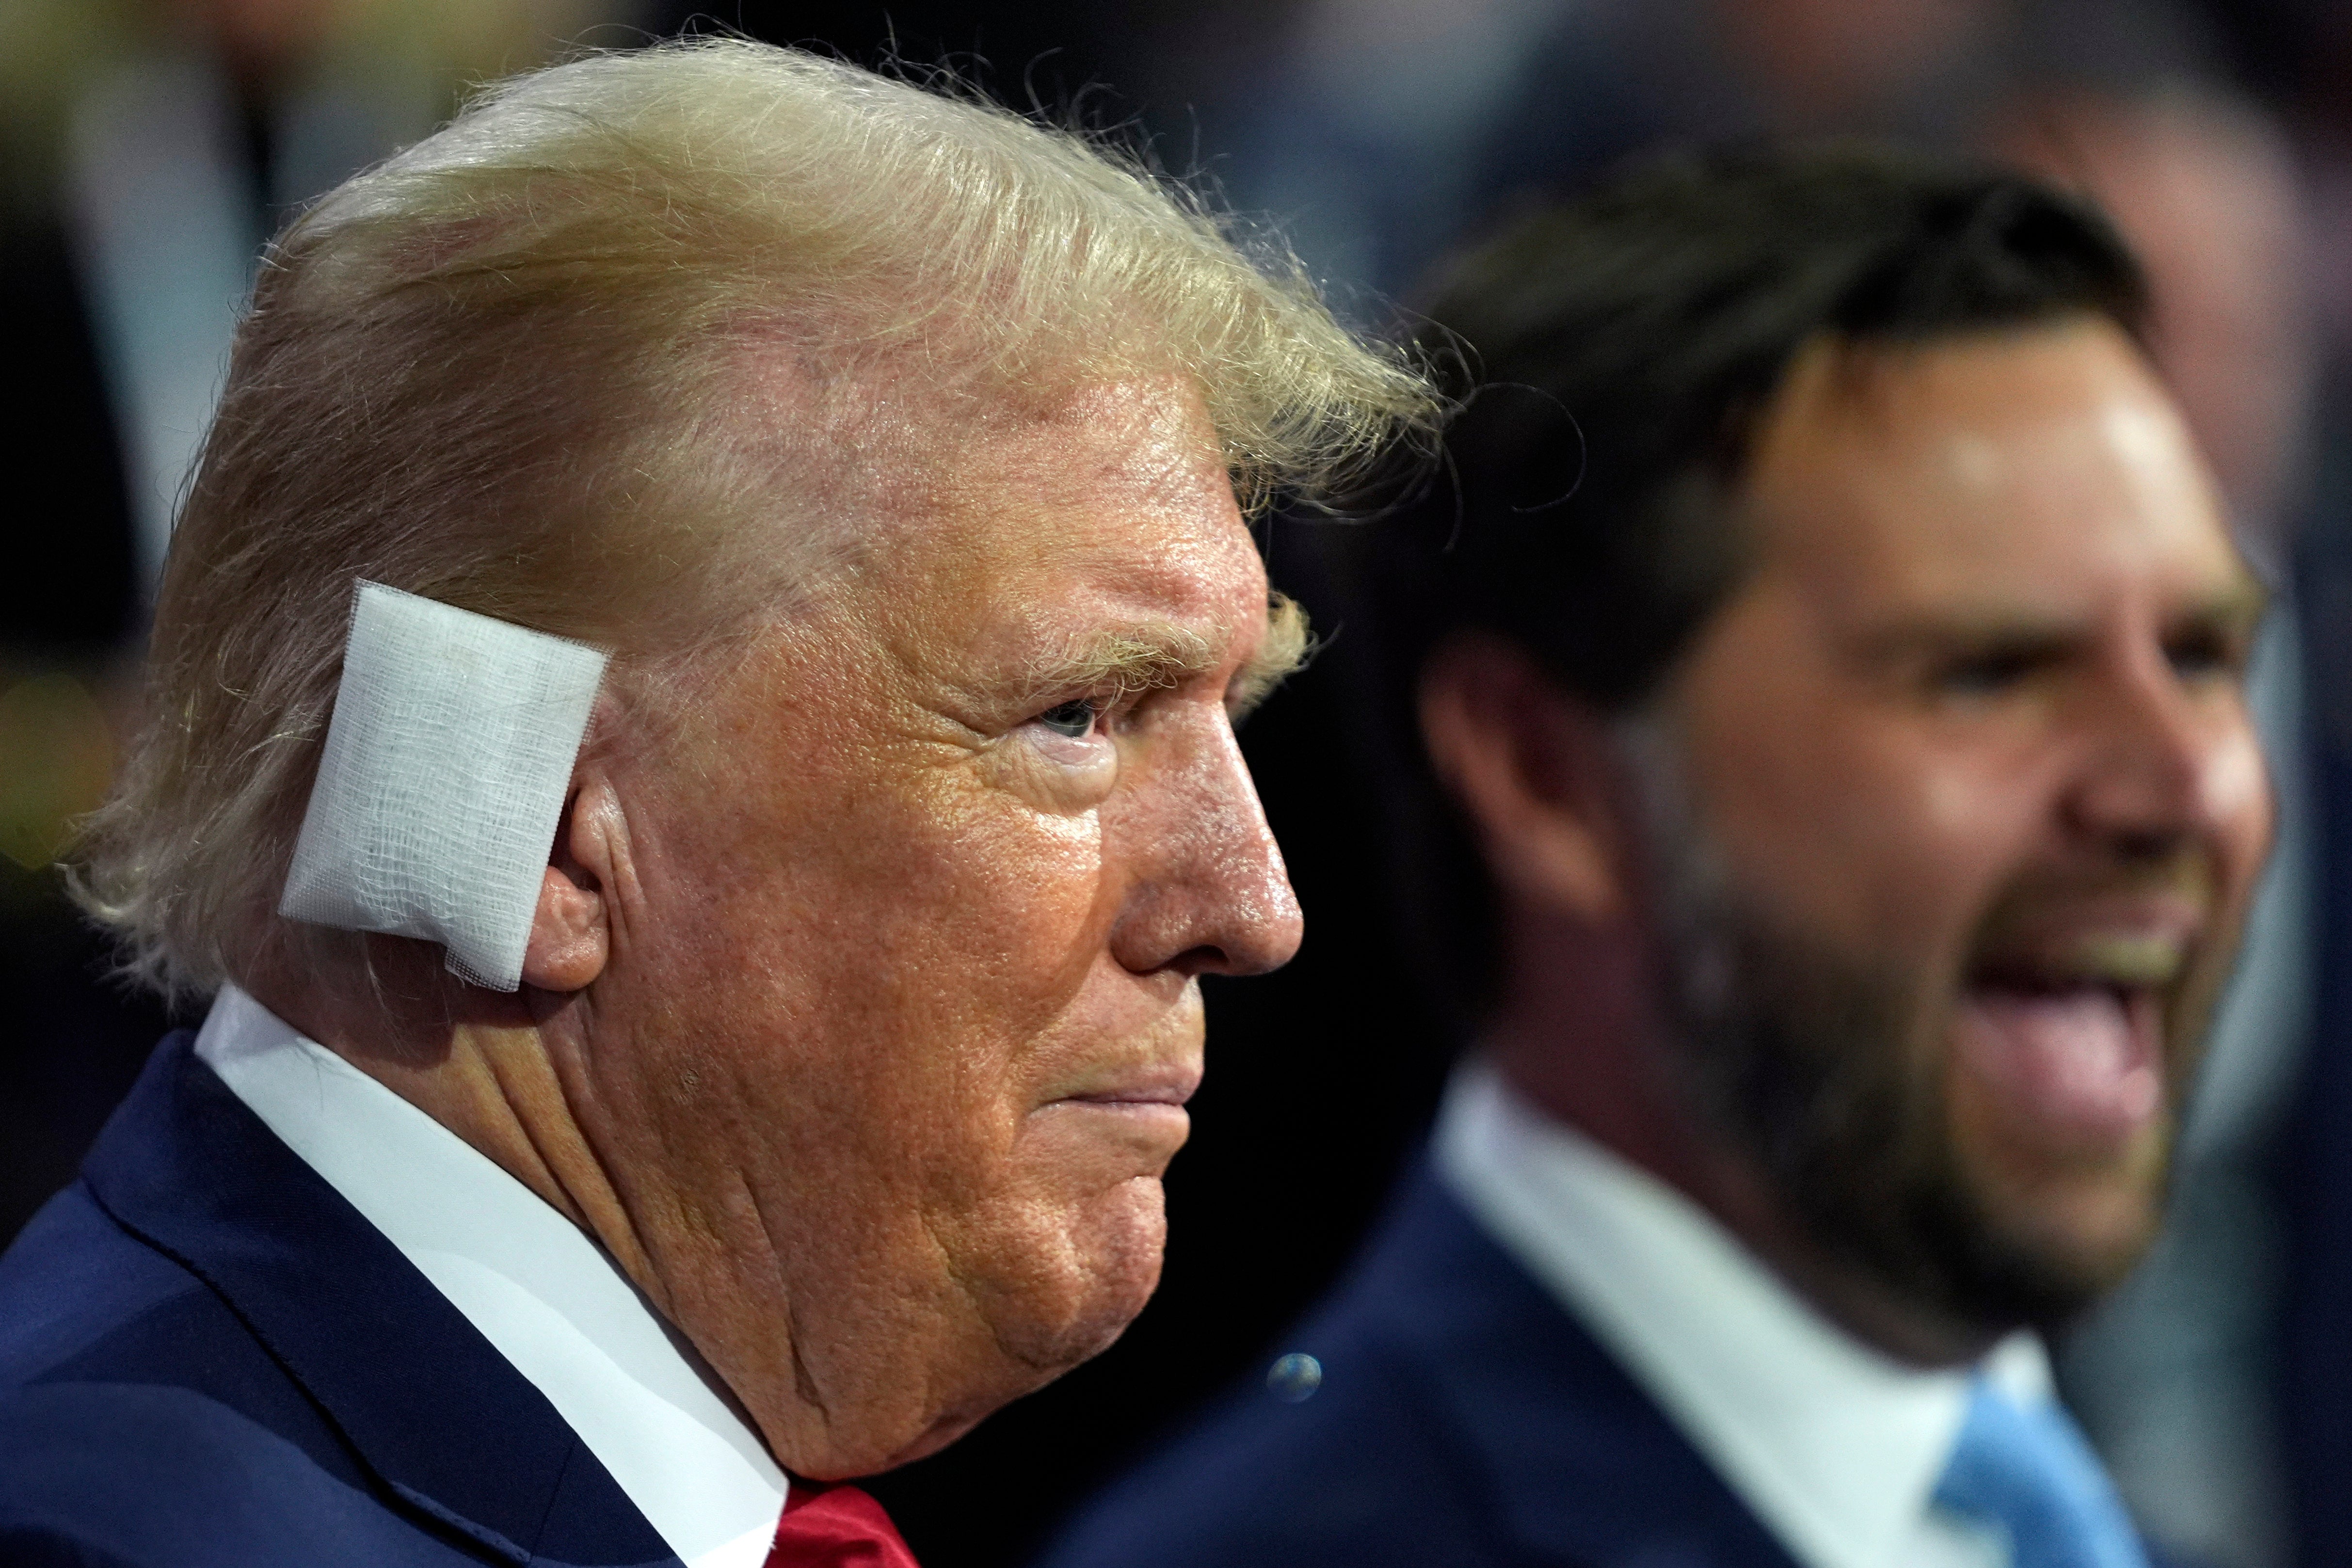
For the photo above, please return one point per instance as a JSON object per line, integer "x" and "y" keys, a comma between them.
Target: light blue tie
{"x": 2026, "y": 1470}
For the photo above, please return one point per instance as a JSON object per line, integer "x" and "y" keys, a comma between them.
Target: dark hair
{"x": 1611, "y": 357}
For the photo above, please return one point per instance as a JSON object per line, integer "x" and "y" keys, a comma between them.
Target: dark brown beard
{"x": 1822, "y": 1071}
{"x": 1831, "y": 1073}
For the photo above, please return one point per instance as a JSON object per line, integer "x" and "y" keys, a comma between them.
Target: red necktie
{"x": 836, "y": 1527}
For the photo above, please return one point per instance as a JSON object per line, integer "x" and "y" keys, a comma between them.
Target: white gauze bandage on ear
{"x": 446, "y": 764}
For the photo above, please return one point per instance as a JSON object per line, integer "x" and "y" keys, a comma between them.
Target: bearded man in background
{"x": 1832, "y": 663}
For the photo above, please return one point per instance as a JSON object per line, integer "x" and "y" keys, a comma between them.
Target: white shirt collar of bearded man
{"x": 1836, "y": 1447}
{"x": 537, "y": 1287}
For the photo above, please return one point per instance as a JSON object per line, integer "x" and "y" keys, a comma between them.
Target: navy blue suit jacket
{"x": 1464, "y": 1419}
{"x": 2315, "y": 1349}
{"x": 208, "y": 1358}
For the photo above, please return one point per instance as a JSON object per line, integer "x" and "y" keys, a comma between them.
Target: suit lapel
{"x": 443, "y": 1420}
{"x": 1581, "y": 1464}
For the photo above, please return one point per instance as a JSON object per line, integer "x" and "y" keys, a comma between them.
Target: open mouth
{"x": 2070, "y": 1045}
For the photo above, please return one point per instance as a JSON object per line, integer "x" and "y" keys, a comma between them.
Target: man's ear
{"x": 572, "y": 931}
{"x": 1536, "y": 770}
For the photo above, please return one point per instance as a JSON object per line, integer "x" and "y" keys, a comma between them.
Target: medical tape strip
{"x": 446, "y": 764}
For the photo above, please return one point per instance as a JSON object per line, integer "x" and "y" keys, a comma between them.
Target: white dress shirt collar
{"x": 1835, "y": 1447}
{"x": 551, "y": 1300}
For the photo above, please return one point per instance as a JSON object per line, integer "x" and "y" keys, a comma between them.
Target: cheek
{"x": 855, "y": 965}
{"x": 974, "y": 931}
{"x": 1868, "y": 833}
{"x": 925, "y": 902}
{"x": 2237, "y": 784}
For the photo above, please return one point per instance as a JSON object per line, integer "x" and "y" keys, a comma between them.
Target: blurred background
{"x": 148, "y": 147}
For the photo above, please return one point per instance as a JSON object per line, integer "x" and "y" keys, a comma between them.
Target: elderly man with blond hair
{"x": 690, "y": 743}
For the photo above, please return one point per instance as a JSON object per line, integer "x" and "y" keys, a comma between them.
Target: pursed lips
{"x": 1171, "y": 1085}
{"x": 1141, "y": 1106}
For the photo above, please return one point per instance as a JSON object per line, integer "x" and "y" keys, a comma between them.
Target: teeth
{"x": 2130, "y": 960}
{"x": 2121, "y": 960}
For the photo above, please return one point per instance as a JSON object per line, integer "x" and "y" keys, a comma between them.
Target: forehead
{"x": 2042, "y": 470}
{"x": 1109, "y": 502}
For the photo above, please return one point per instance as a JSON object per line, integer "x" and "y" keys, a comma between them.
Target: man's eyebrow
{"x": 2238, "y": 606}
{"x": 1158, "y": 655}
{"x": 1935, "y": 634}
{"x": 1140, "y": 656}
{"x": 1281, "y": 654}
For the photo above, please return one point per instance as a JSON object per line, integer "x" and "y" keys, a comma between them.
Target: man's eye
{"x": 1986, "y": 674}
{"x": 2203, "y": 656}
{"x": 1072, "y": 718}
{"x": 1979, "y": 676}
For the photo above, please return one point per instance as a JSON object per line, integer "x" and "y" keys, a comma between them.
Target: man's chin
{"x": 2001, "y": 1240}
{"x": 1116, "y": 1244}
{"x": 2074, "y": 1190}
{"x": 1058, "y": 1293}
{"x": 2087, "y": 1228}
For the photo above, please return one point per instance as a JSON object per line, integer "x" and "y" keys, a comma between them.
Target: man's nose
{"x": 1208, "y": 892}
{"x": 2168, "y": 762}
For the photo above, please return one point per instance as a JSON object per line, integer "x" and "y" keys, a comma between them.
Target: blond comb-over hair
{"x": 497, "y": 370}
